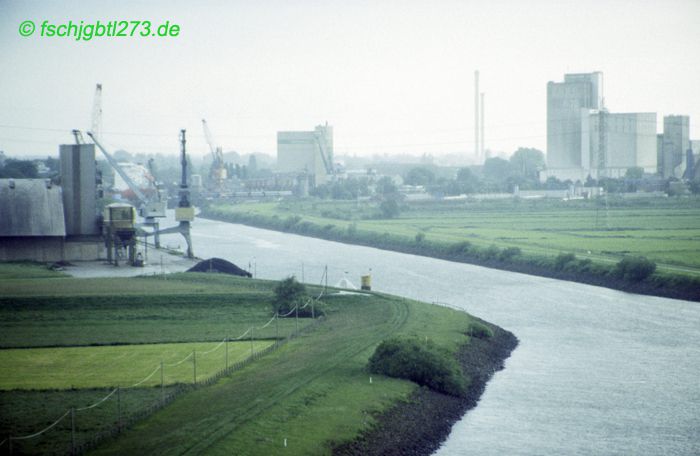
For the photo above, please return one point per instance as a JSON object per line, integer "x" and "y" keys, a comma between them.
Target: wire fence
{"x": 70, "y": 438}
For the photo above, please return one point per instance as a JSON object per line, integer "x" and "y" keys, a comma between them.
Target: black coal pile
{"x": 220, "y": 266}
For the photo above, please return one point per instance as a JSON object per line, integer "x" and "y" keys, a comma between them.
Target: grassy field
{"x": 185, "y": 308}
{"x": 116, "y": 365}
{"x": 314, "y": 391}
{"x": 666, "y": 231}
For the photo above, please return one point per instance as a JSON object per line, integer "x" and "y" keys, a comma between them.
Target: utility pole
{"x": 476, "y": 113}
{"x": 601, "y": 165}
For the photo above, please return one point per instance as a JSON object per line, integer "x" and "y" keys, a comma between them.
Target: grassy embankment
{"x": 525, "y": 236}
{"x": 314, "y": 391}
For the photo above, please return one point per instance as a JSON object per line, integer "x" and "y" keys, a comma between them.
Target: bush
{"x": 563, "y": 259}
{"x": 635, "y": 269}
{"x": 490, "y": 253}
{"x": 460, "y": 248}
{"x": 508, "y": 253}
{"x": 480, "y": 330}
{"x": 420, "y": 362}
{"x": 389, "y": 208}
{"x": 420, "y": 237}
{"x": 288, "y": 293}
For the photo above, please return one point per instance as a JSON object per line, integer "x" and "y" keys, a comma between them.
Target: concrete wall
{"x": 45, "y": 249}
{"x": 50, "y": 249}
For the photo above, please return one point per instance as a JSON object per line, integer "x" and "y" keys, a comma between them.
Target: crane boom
{"x": 322, "y": 151}
{"x": 208, "y": 136}
{"x": 113, "y": 162}
{"x": 97, "y": 111}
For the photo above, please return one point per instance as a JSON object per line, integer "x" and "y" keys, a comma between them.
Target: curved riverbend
{"x": 597, "y": 371}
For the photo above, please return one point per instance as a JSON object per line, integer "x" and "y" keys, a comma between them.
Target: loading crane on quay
{"x": 217, "y": 172}
{"x": 152, "y": 209}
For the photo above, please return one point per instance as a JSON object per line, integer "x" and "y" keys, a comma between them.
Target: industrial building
{"x": 630, "y": 142}
{"x": 674, "y": 145}
{"x": 44, "y": 222}
{"x": 309, "y": 152}
{"x": 577, "y": 146}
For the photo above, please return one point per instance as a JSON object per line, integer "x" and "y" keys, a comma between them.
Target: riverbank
{"x": 291, "y": 396}
{"x": 575, "y": 269}
{"x": 419, "y": 425}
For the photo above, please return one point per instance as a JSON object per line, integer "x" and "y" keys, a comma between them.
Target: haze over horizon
{"x": 391, "y": 77}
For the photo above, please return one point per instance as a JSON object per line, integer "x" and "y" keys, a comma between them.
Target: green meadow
{"x": 82, "y": 337}
{"x": 666, "y": 230}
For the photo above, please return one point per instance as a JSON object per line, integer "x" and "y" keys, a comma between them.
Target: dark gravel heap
{"x": 419, "y": 426}
{"x": 220, "y": 266}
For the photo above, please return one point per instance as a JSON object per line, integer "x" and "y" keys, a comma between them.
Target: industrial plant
{"x": 585, "y": 139}
{"x": 72, "y": 221}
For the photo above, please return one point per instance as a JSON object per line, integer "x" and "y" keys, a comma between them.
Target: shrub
{"x": 389, "y": 208}
{"x": 635, "y": 269}
{"x": 420, "y": 362}
{"x": 563, "y": 259}
{"x": 460, "y": 248}
{"x": 508, "y": 253}
{"x": 290, "y": 221}
{"x": 490, "y": 253}
{"x": 420, "y": 237}
{"x": 480, "y": 330}
{"x": 288, "y": 293}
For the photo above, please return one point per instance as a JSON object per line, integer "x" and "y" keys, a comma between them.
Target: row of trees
{"x": 496, "y": 175}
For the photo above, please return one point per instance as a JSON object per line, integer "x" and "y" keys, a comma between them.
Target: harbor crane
{"x": 150, "y": 208}
{"x": 217, "y": 172}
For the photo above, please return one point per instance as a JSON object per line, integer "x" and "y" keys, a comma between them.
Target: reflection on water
{"x": 597, "y": 371}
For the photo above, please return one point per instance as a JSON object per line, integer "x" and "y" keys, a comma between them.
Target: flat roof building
{"x": 309, "y": 152}
{"x": 574, "y": 112}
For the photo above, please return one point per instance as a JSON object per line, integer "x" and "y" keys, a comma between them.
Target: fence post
{"x": 72, "y": 431}
{"x": 194, "y": 365}
{"x": 119, "y": 408}
{"x": 226, "y": 344}
{"x": 162, "y": 383}
{"x": 277, "y": 325}
{"x": 313, "y": 311}
{"x": 296, "y": 316}
{"x": 252, "y": 352}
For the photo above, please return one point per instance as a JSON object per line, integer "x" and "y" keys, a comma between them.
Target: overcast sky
{"x": 390, "y": 76}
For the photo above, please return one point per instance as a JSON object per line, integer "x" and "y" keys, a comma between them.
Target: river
{"x": 597, "y": 371}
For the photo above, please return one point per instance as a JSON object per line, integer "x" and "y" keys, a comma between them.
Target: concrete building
{"x": 568, "y": 106}
{"x": 674, "y": 146}
{"x": 79, "y": 182}
{"x": 630, "y": 142}
{"x": 40, "y": 221}
{"x": 574, "y": 112}
{"x": 32, "y": 226}
{"x": 309, "y": 152}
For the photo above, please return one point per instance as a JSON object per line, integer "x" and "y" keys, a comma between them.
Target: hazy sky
{"x": 390, "y": 76}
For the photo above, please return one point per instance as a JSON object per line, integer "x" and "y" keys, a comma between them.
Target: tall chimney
{"x": 483, "y": 148}
{"x": 476, "y": 113}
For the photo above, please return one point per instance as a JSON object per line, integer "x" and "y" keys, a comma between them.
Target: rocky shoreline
{"x": 419, "y": 426}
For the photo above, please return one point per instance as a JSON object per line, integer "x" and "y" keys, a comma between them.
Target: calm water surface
{"x": 597, "y": 371}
